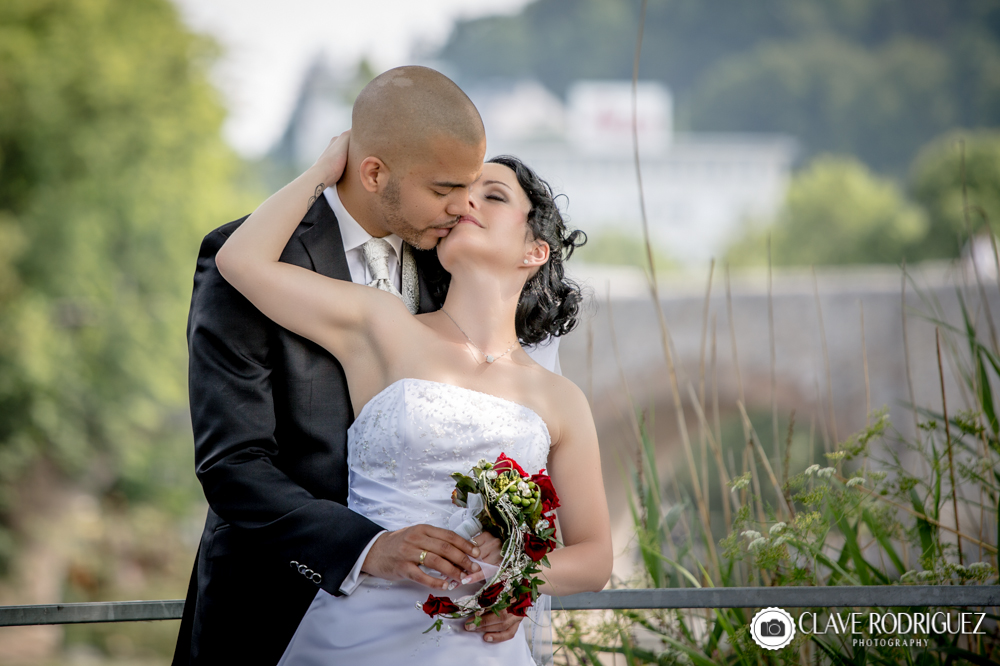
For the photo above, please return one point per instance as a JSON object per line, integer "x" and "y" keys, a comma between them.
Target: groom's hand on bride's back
{"x": 396, "y": 555}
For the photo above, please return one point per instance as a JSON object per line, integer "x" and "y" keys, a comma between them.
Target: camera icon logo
{"x": 772, "y": 628}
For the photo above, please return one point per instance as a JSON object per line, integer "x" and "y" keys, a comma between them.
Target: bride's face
{"x": 496, "y": 229}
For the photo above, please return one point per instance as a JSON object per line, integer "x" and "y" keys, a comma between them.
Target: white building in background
{"x": 699, "y": 188}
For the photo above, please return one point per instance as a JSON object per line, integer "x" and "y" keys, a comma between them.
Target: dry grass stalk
{"x": 774, "y": 355}
{"x": 755, "y": 443}
{"x": 727, "y": 515}
{"x": 947, "y": 434}
{"x": 972, "y": 252}
{"x": 906, "y": 361}
{"x": 826, "y": 358}
{"x": 701, "y": 370}
{"x": 864, "y": 362}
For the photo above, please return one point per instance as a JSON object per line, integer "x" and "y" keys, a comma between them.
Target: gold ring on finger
{"x": 423, "y": 554}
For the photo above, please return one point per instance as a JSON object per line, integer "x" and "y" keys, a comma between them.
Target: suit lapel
{"x": 323, "y": 242}
{"x": 429, "y": 272}
{"x": 325, "y": 247}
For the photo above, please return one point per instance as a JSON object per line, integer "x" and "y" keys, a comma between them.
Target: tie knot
{"x": 376, "y": 251}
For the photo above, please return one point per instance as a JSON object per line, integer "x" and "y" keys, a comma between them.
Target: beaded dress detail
{"x": 402, "y": 450}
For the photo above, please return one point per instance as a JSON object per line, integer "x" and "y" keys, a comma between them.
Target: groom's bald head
{"x": 402, "y": 110}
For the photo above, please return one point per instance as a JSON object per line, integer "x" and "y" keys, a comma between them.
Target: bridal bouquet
{"x": 500, "y": 498}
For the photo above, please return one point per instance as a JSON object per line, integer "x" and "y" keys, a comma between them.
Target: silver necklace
{"x": 489, "y": 357}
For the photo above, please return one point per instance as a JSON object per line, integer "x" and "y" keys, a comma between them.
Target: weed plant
{"x": 878, "y": 508}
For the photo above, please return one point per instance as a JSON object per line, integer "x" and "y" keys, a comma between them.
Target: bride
{"x": 435, "y": 393}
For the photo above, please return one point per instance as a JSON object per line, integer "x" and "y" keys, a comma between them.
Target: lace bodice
{"x": 410, "y": 438}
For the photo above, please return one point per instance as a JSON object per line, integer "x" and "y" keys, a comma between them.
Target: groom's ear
{"x": 372, "y": 170}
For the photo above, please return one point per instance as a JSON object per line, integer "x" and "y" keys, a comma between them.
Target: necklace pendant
{"x": 490, "y": 358}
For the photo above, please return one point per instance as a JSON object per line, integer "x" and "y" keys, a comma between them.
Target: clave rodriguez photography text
{"x": 898, "y": 629}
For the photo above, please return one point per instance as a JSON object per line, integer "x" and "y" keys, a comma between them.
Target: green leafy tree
{"x": 836, "y": 212}
{"x": 876, "y": 78}
{"x": 936, "y": 182}
{"x": 111, "y": 169}
{"x": 881, "y": 105}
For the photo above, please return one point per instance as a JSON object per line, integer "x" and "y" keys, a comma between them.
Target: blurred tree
{"x": 618, "y": 248}
{"x": 936, "y": 183}
{"x": 836, "y": 212}
{"x": 878, "y": 78}
{"x": 111, "y": 169}
{"x": 880, "y": 105}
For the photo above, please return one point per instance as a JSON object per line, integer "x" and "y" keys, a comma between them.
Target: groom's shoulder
{"x": 319, "y": 215}
{"x": 215, "y": 238}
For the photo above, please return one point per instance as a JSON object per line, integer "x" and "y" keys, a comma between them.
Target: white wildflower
{"x": 777, "y": 527}
{"x": 812, "y": 469}
{"x": 826, "y": 472}
{"x": 779, "y": 541}
{"x": 978, "y": 567}
{"x": 856, "y": 481}
{"x": 752, "y": 534}
{"x": 757, "y": 544}
{"x": 925, "y": 575}
{"x": 741, "y": 482}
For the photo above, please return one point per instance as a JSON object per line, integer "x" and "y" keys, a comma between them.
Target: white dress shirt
{"x": 354, "y": 236}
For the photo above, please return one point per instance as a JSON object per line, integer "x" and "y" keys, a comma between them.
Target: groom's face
{"x": 424, "y": 199}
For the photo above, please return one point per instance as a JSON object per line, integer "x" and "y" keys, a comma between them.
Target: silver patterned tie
{"x": 376, "y": 252}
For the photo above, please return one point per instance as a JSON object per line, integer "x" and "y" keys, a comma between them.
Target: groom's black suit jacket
{"x": 270, "y": 412}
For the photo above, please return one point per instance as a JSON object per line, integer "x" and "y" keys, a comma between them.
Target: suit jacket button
{"x": 317, "y": 578}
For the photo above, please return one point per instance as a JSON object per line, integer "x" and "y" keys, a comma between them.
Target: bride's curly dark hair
{"x": 549, "y": 301}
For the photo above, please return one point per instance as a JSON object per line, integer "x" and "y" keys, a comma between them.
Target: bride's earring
{"x": 525, "y": 261}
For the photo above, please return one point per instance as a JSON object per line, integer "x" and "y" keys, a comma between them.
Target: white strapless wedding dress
{"x": 402, "y": 450}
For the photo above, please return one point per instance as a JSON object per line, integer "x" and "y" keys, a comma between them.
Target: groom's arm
{"x": 233, "y": 417}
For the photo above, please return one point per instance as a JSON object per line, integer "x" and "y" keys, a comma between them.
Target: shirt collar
{"x": 352, "y": 233}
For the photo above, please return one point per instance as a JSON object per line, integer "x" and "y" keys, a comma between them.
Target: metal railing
{"x": 871, "y": 596}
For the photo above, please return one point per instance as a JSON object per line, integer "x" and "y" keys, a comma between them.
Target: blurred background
{"x": 838, "y": 134}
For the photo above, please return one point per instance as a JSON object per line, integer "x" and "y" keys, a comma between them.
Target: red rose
{"x": 439, "y": 605}
{"x": 549, "y": 498}
{"x": 505, "y": 464}
{"x": 489, "y": 596}
{"x": 536, "y": 548}
{"x": 521, "y": 606}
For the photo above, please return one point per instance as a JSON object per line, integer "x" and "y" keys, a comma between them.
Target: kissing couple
{"x": 329, "y": 416}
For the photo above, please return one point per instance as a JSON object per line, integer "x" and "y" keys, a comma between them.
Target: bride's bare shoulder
{"x": 566, "y": 406}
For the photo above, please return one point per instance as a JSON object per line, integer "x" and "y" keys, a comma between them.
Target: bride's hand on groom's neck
{"x": 331, "y": 164}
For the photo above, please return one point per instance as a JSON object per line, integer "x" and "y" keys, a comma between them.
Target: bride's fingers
{"x": 476, "y": 577}
{"x": 490, "y": 548}
{"x": 496, "y": 629}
